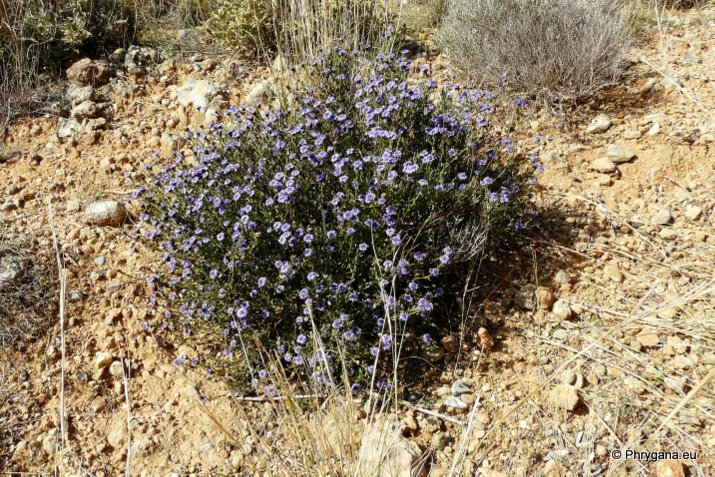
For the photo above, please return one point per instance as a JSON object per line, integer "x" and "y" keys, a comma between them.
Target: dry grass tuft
{"x": 26, "y": 299}
{"x": 555, "y": 49}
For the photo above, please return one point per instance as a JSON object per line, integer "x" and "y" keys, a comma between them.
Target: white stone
{"x": 600, "y": 124}
{"x": 107, "y": 212}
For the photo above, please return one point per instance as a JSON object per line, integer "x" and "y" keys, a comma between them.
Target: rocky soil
{"x": 597, "y": 337}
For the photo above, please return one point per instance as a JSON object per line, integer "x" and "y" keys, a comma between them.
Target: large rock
{"x": 108, "y": 212}
{"x": 89, "y": 72}
{"x": 198, "y": 93}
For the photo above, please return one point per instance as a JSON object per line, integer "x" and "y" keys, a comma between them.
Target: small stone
{"x": 562, "y": 278}
{"x": 618, "y": 154}
{"x": 544, "y": 298}
{"x": 668, "y": 234}
{"x": 98, "y": 404}
{"x": 693, "y": 212}
{"x": 600, "y": 124}
{"x": 603, "y": 165}
{"x": 454, "y": 402}
{"x": 562, "y": 310}
{"x": 100, "y": 261}
{"x": 648, "y": 340}
{"x": 468, "y": 398}
{"x": 560, "y": 335}
{"x": 458, "y": 387}
{"x": 662, "y": 217}
{"x": 434, "y": 354}
{"x": 258, "y": 94}
{"x": 554, "y": 469}
{"x": 73, "y": 205}
{"x": 85, "y": 110}
{"x": 669, "y": 468}
{"x": 197, "y": 93}
{"x": 116, "y": 369}
{"x": 450, "y": 343}
{"x": 525, "y": 297}
{"x": 103, "y": 359}
{"x": 107, "y": 212}
{"x": 613, "y": 273}
{"x": 49, "y": 444}
{"x": 654, "y": 129}
{"x": 485, "y": 339}
{"x": 565, "y": 396}
{"x": 440, "y": 440}
{"x": 67, "y": 127}
{"x": 636, "y": 345}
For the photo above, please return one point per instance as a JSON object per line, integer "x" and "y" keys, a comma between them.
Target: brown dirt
{"x": 640, "y": 340}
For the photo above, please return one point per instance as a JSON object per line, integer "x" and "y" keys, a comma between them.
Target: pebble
{"x": 654, "y": 129}
{"x": 618, "y": 154}
{"x": 648, "y": 340}
{"x": 468, "y": 398}
{"x": 662, "y": 217}
{"x": 525, "y": 297}
{"x": 434, "y": 354}
{"x": 116, "y": 369}
{"x": 450, "y": 343}
{"x": 565, "y": 396}
{"x": 693, "y": 212}
{"x": 562, "y": 278}
{"x": 98, "y": 404}
{"x": 603, "y": 165}
{"x": 107, "y": 212}
{"x": 560, "y": 334}
{"x": 668, "y": 234}
{"x": 544, "y": 298}
{"x": 455, "y": 403}
{"x": 103, "y": 359}
{"x": 485, "y": 339}
{"x": 562, "y": 310}
{"x": 600, "y": 123}
{"x": 669, "y": 468}
{"x": 458, "y": 388}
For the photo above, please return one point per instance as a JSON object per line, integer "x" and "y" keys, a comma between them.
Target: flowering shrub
{"x": 323, "y": 230}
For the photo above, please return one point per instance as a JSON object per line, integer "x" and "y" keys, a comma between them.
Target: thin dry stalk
{"x": 63, "y": 288}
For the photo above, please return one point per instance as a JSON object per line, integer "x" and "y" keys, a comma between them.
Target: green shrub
{"x": 325, "y": 230}
{"x": 556, "y": 49}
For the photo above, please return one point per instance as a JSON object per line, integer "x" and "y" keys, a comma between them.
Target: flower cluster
{"x": 328, "y": 226}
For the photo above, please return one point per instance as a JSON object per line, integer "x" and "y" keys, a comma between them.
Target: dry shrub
{"x": 305, "y": 29}
{"x": 26, "y": 300}
{"x": 556, "y": 49}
